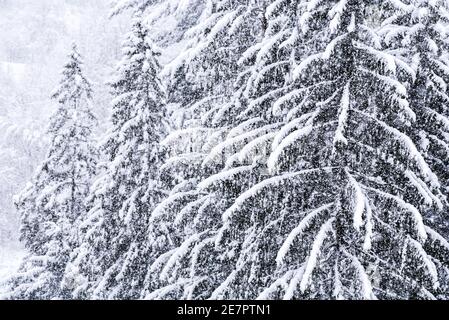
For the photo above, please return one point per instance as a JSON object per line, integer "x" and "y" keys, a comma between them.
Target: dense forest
{"x": 229, "y": 149}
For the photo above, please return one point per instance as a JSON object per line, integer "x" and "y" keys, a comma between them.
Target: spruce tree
{"x": 305, "y": 158}
{"x": 316, "y": 198}
{"x": 349, "y": 161}
{"x": 107, "y": 263}
{"x": 204, "y": 82}
{"x": 52, "y": 203}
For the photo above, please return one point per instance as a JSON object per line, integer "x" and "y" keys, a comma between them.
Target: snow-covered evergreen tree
{"x": 318, "y": 191}
{"x": 306, "y": 157}
{"x": 52, "y": 203}
{"x": 201, "y": 83}
{"x": 106, "y": 264}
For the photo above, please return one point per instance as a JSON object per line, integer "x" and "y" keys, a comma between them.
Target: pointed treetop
{"x": 73, "y": 83}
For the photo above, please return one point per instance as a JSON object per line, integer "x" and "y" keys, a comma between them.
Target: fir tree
{"x": 212, "y": 69}
{"x": 52, "y": 203}
{"x": 348, "y": 132}
{"x": 324, "y": 207}
{"x": 107, "y": 262}
{"x": 306, "y": 158}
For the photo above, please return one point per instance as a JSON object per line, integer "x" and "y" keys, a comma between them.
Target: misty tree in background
{"x": 22, "y": 146}
{"x": 35, "y": 37}
{"x": 52, "y": 203}
{"x": 108, "y": 263}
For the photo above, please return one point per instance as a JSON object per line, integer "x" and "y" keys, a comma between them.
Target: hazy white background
{"x": 35, "y": 36}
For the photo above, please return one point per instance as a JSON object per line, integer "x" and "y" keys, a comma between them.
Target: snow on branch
{"x": 160, "y": 262}
{"x": 163, "y": 206}
{"x": 292, "y": 286}
{"x": 358, "y": 201}
{"x": 286, "y": 129}
{"x": 423, "y": 190}
{"x": 271, "y": 95}
{"x": 290, "y": 139}
{"x": 368, "y": 226}
{"x": 430, "y": 266}
{"x": 266, "y": 70}
{"x": 297, "y": 231}
{"x": 416, "y": 215}
{"x": 286, "y": 99}
{"x": 437, "y": 237}
{"x": 177, "y": 135}
{"x": 270, "y": 11}
{"x": 257, "y": 145}
{"x": 408, "y": 144}
{"x": 400, "y": 92}
{"x": 280, "y": 282}
{"x": 268, "y": 45}
{"x": 335, "y": 14}
{"x": 163, "y": 292}
{"x": 302, "y": 67}
{"x": 398, "y": 4}
{"x": 330, "y": 48}
{"x": 443, "y": 120}
{"x": 196, "y": 252}
{"x": 190, "y": 207}
{"x": 217, "y": 28}
{"x": 183, "y": 159}
{"x": 293, "y": 137}
{"x": 218, "y": 150}
{"x": 290, "y": 41}
{"x": 180, "y": 252}
{"x": 315, "y": 252}
{"x": 218, "y": 292}
{"x": 268, "y": 183}
{"x": 388, "y": 60}
{"x": 367, "y": 290}
{"x": 244, "y": 126}
{"x": 223, "y": 176}
{"x": 342, "y": 118}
